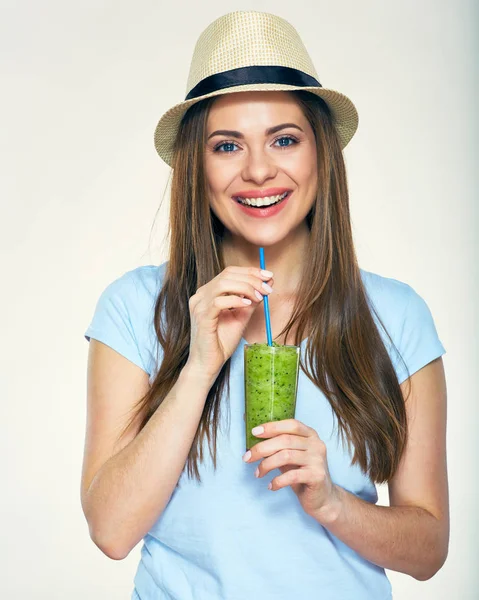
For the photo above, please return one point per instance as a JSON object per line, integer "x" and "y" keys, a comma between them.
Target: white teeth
{"x": 266, "y": 201}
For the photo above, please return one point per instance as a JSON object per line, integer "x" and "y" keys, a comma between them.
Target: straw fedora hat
{"x": 251, "y": 50}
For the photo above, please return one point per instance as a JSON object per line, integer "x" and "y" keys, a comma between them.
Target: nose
{"x": 258, "y": 166}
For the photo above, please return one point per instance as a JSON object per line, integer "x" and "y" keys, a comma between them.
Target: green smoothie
{"x": 270, "y": 383}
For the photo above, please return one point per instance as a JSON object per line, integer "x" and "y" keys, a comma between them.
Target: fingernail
{"x": 267, "y": 273}
{"x": 247, "y": 456}
{"x": 258, "y": 295}
{"x": 267, "y": 287}
{"x": 257, "y": 430}
{"x": 256, "y": 473}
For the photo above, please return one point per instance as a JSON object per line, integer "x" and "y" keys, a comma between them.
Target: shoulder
{"x": 395, "y": 301}
{"x": 141, "y": 282}
{"x": 388, "y": 295}
{"x": 124, "y": 314}
{"x": 404, "y": 320}
{"x": 136, "y": 292}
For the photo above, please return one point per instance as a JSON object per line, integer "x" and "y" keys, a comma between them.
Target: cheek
{"x": 302, "y": 169}
{"x": 218, "y": 175}
{"x": 210, "y": 175}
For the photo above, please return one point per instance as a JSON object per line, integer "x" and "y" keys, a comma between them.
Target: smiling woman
{"x": 256, "y": 149}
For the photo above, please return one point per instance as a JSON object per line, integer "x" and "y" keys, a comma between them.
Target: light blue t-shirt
{"x": 230, "y": 538}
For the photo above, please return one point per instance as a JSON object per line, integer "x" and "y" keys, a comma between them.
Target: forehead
{"x": 257, "y": 106}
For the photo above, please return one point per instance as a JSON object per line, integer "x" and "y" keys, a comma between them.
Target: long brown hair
{"x": 347, "y": 359}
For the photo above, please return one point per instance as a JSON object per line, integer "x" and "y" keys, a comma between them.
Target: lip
{"x": 269, "y": 211}
{"x": 261, "y": 193}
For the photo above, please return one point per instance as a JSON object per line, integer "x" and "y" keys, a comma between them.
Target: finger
{"x": 255, "y": 271}
{"x": 282, "y": 458}
{"x": 267, "y": 430}
{"x": 261, "y": 287}
{"x": 281, "y": 442}
{"x": 253, "y": 289}
{"x": 251, "y": 275}
{"x": 293, "y": 477}
{"x": 229, "y": 302}
{"x": 212, "y": 307}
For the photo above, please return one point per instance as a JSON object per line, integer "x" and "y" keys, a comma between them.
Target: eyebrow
{"x": 239, "y": 135}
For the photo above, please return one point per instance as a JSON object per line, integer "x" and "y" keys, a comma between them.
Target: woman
{"x": 371, "y": 405}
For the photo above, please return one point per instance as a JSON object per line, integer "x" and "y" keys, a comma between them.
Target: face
{"x": 249, "y": 158}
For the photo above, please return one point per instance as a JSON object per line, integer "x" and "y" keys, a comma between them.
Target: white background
{"x": 83, "y": 85}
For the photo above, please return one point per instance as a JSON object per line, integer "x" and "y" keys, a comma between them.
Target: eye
{"x": 227, "y": 143}
{"x": 286, "y": 137}
{"x": 230, "y": 143}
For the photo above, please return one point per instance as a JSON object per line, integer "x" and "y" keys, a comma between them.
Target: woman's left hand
{"x": 298, "y": 452}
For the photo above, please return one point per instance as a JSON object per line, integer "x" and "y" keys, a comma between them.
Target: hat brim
{"x": 345, "y": 115}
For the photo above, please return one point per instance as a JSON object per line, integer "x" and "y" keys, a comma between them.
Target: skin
{"x": 412, "y": 534}
{"x": 262, "y": 161}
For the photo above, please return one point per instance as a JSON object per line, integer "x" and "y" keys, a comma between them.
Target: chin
{"x": 264, "y": 238}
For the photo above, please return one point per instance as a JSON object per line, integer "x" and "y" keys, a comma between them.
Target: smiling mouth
{"x": 244, "y": 202}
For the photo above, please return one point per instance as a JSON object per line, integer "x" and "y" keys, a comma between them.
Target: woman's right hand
{"x": 218, "y": 316}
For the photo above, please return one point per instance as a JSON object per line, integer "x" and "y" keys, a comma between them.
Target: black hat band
{"x": 254, "y": 74}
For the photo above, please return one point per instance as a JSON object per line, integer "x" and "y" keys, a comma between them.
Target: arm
{"x": 412, "y": 535}
{"x": 126, "y": 495}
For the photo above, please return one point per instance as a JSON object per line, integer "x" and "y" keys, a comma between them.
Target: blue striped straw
{"x": 265, "y": 301}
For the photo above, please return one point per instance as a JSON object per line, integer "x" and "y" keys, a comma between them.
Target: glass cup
{"x": 270, "y": 385}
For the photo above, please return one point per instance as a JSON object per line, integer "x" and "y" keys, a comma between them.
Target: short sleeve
{"x": 113, "y": 320}
{"x": 418, "y": 341}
